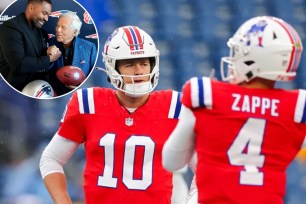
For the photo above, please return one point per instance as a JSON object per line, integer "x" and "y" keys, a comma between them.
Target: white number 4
{"x": 246, "y": 151}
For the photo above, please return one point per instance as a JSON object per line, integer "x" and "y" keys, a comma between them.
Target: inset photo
{"x": 47, "y": 48}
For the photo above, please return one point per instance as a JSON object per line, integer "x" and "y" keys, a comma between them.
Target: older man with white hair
{"x": 75, "y": 51}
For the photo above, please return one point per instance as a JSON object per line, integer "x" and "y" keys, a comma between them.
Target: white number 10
{"x": 108, "y": 180}
{"x": 246, "y": 151}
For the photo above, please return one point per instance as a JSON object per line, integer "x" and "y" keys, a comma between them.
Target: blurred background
{"x": 191, "y": 36}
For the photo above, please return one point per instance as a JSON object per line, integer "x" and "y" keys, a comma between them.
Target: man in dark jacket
{"x": 23, "y": 45}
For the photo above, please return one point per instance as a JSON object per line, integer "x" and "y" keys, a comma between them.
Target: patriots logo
{"x": 87, "y": 19}
{"x": 92, "y": 36}
{"x": 51, "y": 36}
{"x": 256, "y": 31}
{"x": 109, "y": 39}
{"x": 111, "y": 36}
{"x": 60, "y": 12}
{"x": 45, "y": 90}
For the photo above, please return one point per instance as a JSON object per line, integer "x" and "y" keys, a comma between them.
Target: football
{"x": 70, "y": 75}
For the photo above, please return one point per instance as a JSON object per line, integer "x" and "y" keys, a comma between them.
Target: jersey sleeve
{"x": 300, "y": 108}
{"x": 72, "y": 126}
{"x": 197, "y": 93}
{"x": 175, "y": 105}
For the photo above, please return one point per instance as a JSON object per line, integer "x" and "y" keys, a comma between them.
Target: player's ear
{"x": 30, "y": 7}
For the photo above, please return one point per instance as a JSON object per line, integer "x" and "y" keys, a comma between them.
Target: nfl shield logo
{"x": 129, "y": 121}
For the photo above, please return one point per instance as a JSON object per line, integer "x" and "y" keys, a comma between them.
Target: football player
{"x": 245, "y": 132}
{"x": 123, "y": 130}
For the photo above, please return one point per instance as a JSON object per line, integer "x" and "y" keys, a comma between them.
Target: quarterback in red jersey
{"x": 246, "y": 132}
{"x": 123, "y": 131}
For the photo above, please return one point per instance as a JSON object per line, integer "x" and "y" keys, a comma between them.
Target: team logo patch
{"x": 256, "y": 31}
{"x": 51, "y": 36}
{"x": 87, "y": 19}
{"x": 92, "y": 36}
{"x": 44, "y": 90}
{"x": 109, "y": 39}
{"x": 129, "y": 121}
{"x": 112, "y": 36}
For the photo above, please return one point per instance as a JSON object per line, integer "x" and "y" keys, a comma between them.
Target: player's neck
{"x": 27, "y": 14}
{"x": 259, "y": 83}
{"x": 131, "y": 102}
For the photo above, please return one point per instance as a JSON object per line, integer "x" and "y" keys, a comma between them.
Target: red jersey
{"x": 122, "y": 149}
{"x": 245, "y": 139}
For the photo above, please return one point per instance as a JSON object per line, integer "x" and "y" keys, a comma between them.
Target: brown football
{"x": 70, "y": 75}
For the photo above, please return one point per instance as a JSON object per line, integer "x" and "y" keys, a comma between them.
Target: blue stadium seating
{"x": 192, "y": 36}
